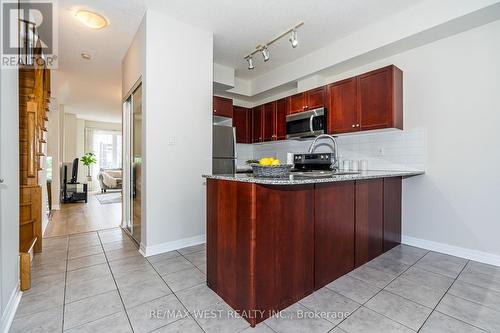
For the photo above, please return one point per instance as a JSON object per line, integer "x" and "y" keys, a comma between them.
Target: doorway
{"x": 132, "y": 120}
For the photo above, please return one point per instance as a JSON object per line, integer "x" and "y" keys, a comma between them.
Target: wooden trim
{"x": 25, "y": 266}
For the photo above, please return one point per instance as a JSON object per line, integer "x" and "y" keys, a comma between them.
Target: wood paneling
{"x": 369, "y": 220}
{"x": 392, "y": 212}
{"x": 334, "y": 232}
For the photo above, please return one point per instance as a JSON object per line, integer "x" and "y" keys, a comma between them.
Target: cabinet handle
{"x": 215, "y": 111}
{"x": 357, "y": 125}
{"x": 353, "y": 125}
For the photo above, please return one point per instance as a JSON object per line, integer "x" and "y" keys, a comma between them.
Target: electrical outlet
{"x": 380, "y": 151}
{"x": 171, "y": 140}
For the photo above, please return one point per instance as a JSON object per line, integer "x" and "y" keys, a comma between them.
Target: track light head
{"x": 265, "y": 53}
{"x": 250, "y": 62}
{"x": 293, "y": 38}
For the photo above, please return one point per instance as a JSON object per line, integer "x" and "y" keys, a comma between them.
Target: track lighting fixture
{"x": 293, "y": 38}
{"x": 250, "y": 62}
{"x": 264, "y": 48}
{"x": 265, "y": 53}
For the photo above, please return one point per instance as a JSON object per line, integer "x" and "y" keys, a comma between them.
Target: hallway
{"x": 74, "y": 218}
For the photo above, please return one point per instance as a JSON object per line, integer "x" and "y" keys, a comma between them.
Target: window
{"x": 107, "y": 146}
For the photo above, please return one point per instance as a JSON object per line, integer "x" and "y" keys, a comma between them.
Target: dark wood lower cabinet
{"x": 369, "y": 220}
{"x": 270, "y": 246}
{"x": 284, "y": 245}
{"x": 334, "y": 232}
{"x": 393, "y": 193}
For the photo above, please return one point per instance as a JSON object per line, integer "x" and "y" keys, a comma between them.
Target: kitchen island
{"x": 271, "y": 242}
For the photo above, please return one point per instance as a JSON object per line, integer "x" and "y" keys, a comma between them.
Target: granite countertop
{"x": 300, "y": 178}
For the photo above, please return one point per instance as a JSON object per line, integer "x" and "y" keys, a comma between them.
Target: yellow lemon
{"x": 276, "y": 162}
{"x": 265, "y": 161}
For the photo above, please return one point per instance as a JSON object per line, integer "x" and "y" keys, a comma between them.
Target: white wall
{"x": 178, "y": 91}
{"x": 53, "y": 150}
{"x": 9, "y": 194}
{"x": 176, "y": 87}
{"x": 133, "y": 64}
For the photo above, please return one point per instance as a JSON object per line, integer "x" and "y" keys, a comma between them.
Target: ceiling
{"x": 239, "y": 26}
{"x": 92, "y": 89}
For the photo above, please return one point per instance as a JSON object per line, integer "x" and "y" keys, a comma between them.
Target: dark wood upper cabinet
{"x": 373, "y": 100}
{"x": 257, "y": 124}
{"x": 242, "y": 121}
{"x": 222, "y": 106}
{"x": 296, "y": 103}
{"x": 342, "y": 112}
{"x": 315, "y": 98}
{"x": 281, "y": 110}
{"x": 380, "y": 99}
{"x": 369, "y": 220}
{"x": 308, "y": 100}
{"x": 269, "y": 122}
{"x": 333, "y": 232}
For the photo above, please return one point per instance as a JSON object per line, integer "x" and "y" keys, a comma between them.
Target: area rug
{"x": 109, "y": 198}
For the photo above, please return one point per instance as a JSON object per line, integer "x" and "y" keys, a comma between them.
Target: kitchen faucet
{"x": 335, "y": 147}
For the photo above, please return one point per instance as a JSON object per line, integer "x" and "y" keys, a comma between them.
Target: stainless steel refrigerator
{"x": 224, "y": 150}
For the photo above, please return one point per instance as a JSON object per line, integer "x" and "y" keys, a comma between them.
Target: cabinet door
{"x": 333, "y": 232}
{"x": 242, "y": 122}
{"x": 315, "y": 98}
{"x": 269, "y": 110}
{"x": 281, "y": 109}
{"x": 296, "y": 103}
{"x": 380, "y": 99}
{"x": 257, "y": 121}
{"x": 284, "y": 258}
{"x": 342, "y": 114}
{"x": 222, "y": 106}
{"x": 369, "y": 220}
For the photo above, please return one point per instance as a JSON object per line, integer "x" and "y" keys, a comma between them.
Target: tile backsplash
{"x": 384, "y": 150}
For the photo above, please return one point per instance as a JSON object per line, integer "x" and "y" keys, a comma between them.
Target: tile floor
{"x": 98, "y": 282}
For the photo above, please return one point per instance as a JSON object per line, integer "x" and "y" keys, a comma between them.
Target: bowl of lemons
{"x": 270, "y": 167}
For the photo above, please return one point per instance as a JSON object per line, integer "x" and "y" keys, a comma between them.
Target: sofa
{"x": 110, "y": 179}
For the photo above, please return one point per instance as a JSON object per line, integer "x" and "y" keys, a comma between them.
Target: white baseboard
{"x": 171, "y": 246}
{"x": 484, "y": 257}
{"x": 10, "y": 310}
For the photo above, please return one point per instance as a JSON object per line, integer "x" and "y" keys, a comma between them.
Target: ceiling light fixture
{"x": 293, "y": 38}
{"x": 265, "y": 52}
{"x": 91, "y": 19}
{"x": 250, "y": 62}
{"x": 264, "y": 48}
{"x": 86, "y": 56}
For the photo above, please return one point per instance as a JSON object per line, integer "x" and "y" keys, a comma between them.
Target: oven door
{"x": 306, "y": 124}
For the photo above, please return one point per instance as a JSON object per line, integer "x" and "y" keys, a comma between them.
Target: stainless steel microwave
{"x": 306, "y": 124}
